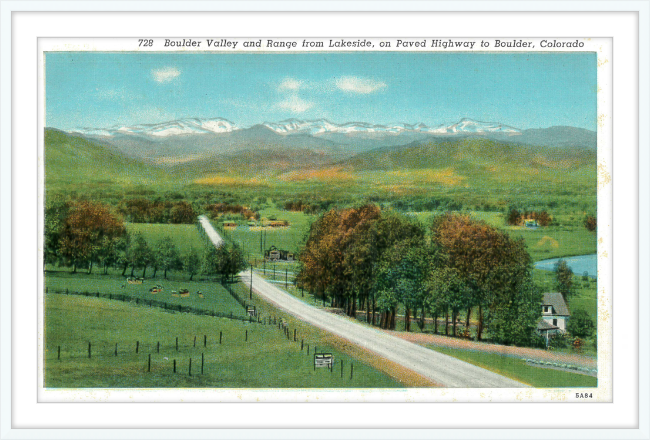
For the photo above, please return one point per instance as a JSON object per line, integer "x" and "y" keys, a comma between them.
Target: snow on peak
{"x": 466, "y": 125}
{"x": 296, "y": 126}
{"x": 165, "y": 129}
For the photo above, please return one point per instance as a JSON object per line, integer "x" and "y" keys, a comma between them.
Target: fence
{"x": 155, "y": 303}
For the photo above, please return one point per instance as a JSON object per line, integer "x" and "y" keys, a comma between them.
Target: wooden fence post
{"x": 302, "y": 342}
{"x": 201, "y": 363}
{"x": 307, "y": 348}
{"x": 116, "y": 349}
{"x": 174, "y": 365}
{"x": 176, "y": 343}
{"x": 194, "y": 341}
{"x": 351, "y": 370}
{"x": 220, "y": 335}
{"x": 341, "y": 367}
{"x": 190, "y": 368}
{"x": 158, "y": 347}
{"x": 137, "y": 346}
{"x": 149, "y": 364}
{"x": 294, "y": 335}
{"x": 246, "y": 340}
{"x": 58, "y": 356}
{"x": 88, "y": 350}
{"x": 205, "y": 341}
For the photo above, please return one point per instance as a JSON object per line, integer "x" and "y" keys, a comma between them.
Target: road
{"x": 442, "y": 369}
{"x": 213, "y": 235}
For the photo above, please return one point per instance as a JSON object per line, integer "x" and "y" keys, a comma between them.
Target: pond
{"x": 579, "y": 264}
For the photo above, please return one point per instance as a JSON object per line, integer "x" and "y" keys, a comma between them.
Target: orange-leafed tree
{"x": 328, "y": 255}
{"x": 492, "y": 265}
{"x": 87, "y": 232}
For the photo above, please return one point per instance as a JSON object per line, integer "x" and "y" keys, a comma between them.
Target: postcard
{"x": 325, "y": 219}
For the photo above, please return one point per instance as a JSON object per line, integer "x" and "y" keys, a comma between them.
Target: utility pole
{"x": 251, "y": 291}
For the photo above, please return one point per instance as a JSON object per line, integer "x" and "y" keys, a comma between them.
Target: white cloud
{"x": 291, "y": 84}
{"x": 165, "y": 74}
{"x": 295, "y": 104}
{"x": 354, "y": 84}
{"x": 111, "y": 94}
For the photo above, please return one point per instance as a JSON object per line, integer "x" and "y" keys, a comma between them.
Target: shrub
{"x": 580, "y": 324}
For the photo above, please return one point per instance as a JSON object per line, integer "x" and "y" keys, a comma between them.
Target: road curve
{"x": 442, "y": 369}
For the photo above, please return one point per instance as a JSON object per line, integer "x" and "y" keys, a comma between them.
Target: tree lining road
{"x": 442, "y": 369}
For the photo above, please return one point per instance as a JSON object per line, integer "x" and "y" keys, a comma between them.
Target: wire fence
{"x": 162, "y": 304}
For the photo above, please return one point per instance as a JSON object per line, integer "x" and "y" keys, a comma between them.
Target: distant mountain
{"x": 200, "y": 138}
{"x": 559, "y": 137}
{"x": 156, "y": 131}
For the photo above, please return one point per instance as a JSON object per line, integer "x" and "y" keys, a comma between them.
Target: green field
{"x": 267, "y": 359}
{"x": 518, "y": 369}
{"x": 185, "y": 237}
{"x": 216, "y": 297}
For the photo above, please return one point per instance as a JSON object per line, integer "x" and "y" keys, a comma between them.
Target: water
{"x": 579, "y": 264}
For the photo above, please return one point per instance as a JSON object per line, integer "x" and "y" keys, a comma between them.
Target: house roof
{"x": 544, "y": 325}
{"x": 556, "y": 300}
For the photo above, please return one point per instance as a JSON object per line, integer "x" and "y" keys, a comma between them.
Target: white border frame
{"x": 629, "y": 226}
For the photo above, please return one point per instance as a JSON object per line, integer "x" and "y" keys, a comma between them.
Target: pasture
{"x": 249, "y": 355}
{"x": 185, "y": 237}
{"x": 215, "y": 297}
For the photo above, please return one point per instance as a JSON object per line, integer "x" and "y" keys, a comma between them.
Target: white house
{"x": 555, "y": 315}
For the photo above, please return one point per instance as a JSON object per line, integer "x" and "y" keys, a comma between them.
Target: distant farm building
{"x": 275, "y": 223}
{"x": 530, "y": 223}
{"x": 275, "y": 254}
{"x": 229, "y": 224}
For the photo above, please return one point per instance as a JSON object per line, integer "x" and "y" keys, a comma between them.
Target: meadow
{"x": 215, "y": 297}
{"x": 185, "y": 237}
{"x": 249, "y": 355}
{"x": 519, "y": 370}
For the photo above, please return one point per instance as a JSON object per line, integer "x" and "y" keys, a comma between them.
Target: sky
{"x": 525, "y": 90}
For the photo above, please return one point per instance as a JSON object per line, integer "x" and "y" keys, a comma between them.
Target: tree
{"x": 492, "y": 265}
{"x": 580, "y": 324}
{"x": 235, "y": 261}
{"x": 448, "y": 292}
{"x": 591, "y": 223}
{"x": 56, "y": 212}
{"x": 88, "y": 228}
{"x": 139, "y": 254}
{"x": 515, "y": 322}
{"x": 182, "y": 212}
{"x": 543, "y": 218}
{"x": 563, "y": 279}
{"x": 191, "y": 262}
{"x": 167, "y": 256}
{"x": 514, "y": 217}
{"x": 226, "y": 261}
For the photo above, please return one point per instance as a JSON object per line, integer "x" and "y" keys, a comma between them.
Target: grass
{"x": 185, "y": 237}
{"x": 267, "y": 360}
{"x": 291, "y": 238}
{"x": 216, "y": 297}
{"x": 518, "y": 369}
{"x": 555, "y": 241}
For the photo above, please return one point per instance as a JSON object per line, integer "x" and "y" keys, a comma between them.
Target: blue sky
{"x": 526, "y": 90}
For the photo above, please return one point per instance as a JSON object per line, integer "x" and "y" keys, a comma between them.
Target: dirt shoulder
{"x": 518, "y": 352}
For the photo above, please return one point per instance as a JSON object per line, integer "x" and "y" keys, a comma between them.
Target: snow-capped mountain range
{"x": 195, "y": 137}
{"x": 319, "y": 127}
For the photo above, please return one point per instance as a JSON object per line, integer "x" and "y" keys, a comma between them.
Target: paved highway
{"x": 442, "y": 369}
